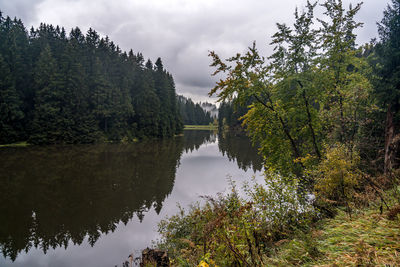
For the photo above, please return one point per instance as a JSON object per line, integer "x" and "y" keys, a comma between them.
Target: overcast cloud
{"x": 181, "y": 32}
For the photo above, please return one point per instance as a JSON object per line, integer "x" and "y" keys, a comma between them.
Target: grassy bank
{"x": 368, "y": 238}
{"x": 273, "y": 226}
{"x": 210, "y": 127}
{"x": 19, "y": 144}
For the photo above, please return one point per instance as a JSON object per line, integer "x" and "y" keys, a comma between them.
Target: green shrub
{"x": 337, "y": 176}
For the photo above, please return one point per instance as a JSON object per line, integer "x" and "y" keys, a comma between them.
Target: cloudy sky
{"x": 181, "y": 32}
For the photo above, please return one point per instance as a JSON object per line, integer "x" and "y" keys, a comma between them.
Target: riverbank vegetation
{"x": 273, "y": 226}
{"x": 210, "y": 127}
{"x": 325, "y": 112}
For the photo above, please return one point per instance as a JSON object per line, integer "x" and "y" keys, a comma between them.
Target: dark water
{"x": 93, "y": 205}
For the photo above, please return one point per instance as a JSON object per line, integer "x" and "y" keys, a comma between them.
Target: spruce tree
{"x": 387, "y": 86}
{"x": 11, "y": 114}
{"x": 48, "y": 113}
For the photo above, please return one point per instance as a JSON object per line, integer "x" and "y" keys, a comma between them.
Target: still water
{"x": 93, "y": 205}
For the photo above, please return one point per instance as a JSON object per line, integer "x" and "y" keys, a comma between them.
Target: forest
{"x": 76, "y": 88}
{"x": 322, "y": 110}
{"x": 325, "y": 113}
{"x": 193, "y": 113}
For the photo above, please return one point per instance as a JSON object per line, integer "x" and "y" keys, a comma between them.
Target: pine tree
{"x": 147, "y": 105}
{"x": 48, "y": 113}
{"x": 101, "y": 97}
{"x": 80, "y": 126}
{"x": 387, "y": 87}
{"x": 11, "y": 114}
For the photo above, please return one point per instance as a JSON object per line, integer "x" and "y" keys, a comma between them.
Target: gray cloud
{"x": 23, "y": 9}
{"x": 181, "y": 32}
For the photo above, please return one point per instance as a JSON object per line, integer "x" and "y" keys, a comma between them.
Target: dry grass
{"x": 367, "y": 239}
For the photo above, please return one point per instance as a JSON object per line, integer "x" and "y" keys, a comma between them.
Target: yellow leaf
{"x": 203, "y": 264}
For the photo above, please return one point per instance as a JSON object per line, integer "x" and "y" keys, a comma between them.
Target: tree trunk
{"x": 389, "y": 135}
{"x": 309, "y": 121}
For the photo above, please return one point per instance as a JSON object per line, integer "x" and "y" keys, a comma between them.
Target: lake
{"x": 93, "y": 205}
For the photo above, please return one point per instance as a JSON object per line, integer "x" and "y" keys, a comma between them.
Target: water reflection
{"x": 51, "y": 196}
{"x": 238, "y": 148}
{"x": 194, "y": 139}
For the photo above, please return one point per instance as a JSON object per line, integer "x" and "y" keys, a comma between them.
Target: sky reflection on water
{"x": 84, "y": 201}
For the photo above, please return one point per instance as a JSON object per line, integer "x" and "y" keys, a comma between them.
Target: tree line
{"x": 76, "y": 88}
{"x": 193, "y": 113}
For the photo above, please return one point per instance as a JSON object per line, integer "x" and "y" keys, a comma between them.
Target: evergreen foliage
{"x": 230, "y": 115}
{"x": 193, "y": 114}
{"x": 10, "y": 106}
{"x": 388, "y": 50}
{"x": 385, "y": 60}
{"x": 79, "y": 88}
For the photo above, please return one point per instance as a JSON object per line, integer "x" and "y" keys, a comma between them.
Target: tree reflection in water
{"x": 52, "y": 195}
{"x": 238, "y": 148}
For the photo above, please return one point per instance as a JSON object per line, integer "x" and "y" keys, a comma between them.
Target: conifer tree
{"x": 11, "y": 114}
{"x": 48, "y": 113}
{"x": 387, "y": 86}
